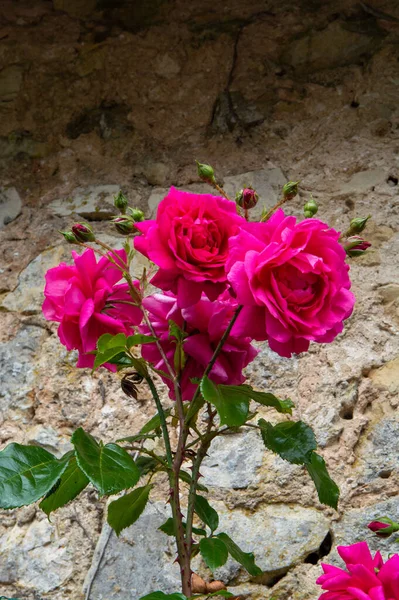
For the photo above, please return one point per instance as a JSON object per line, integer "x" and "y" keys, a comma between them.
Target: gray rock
{"x": 95, "y": 203}
{"x": 10, "y": 206}
{"x": 34, "y": 557}
{"x": 353, "y": 528}
{"x": 233, "y": 460}
{"x": 17, "y": 373}
{"x": 124, "y": 566}
{"x": 363, "y": 180}
{"x": 332, "y": 47}
{"x": 140, "y": 561}
{"x": 28, "y": 295}
{"x": 279, "y": 535}
{"x": 380, "y": 451}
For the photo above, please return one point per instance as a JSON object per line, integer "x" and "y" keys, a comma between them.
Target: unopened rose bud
{"x": 120, "y": 202}
{"x": 310, "y": 208}
{"x": 383, "y": 527}
{"x": 69, "y": 236}
{"x": 247, "y": 198}
{"x": 137, "y": 215}
{"x": 356, "y": 245}
{"x": 124, "y": 224}
{"x": 83, "y": 233}
{"x": 358, "y": 224}
{"x": 290, "y": 190}
{"x": 205, "y": 172}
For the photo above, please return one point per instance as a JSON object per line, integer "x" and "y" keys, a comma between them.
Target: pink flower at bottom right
{"x": 365, "y": 578}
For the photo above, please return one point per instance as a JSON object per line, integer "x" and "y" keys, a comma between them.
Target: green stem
{"x": 162, "y": 418}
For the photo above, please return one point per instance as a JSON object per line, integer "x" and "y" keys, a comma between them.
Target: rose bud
{"x": 290, "y": 190}
{"x": 83, "y": 233}
{"x": 120, "y": 202}
{"x": 137, "y": 215}
{"x": 205, "y": 172}
{"x": 356, "y": 245}
{"x": 124, "y": 224}
{"x": 247, "y": 198}
{"x": 383, "y": 527}
{"x": 358, "y": 224}
{"x": 69, "y": 236}
{"x": 310, "y": 208}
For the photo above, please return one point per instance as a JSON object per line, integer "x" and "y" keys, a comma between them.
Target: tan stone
{"x": 387, "y": 376}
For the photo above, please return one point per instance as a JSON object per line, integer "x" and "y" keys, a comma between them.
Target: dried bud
{"x": 215, "y": 586}
{"x": 310, "y": 208}
{"x": 129, "y": 383}
{"x": 83, "y": 233}
{"x": 124, "y": 224}
{"x": 69, "y": 236}
{"x": 137, "y": 215}
{"x": 205, "y": 172}
{"x": 383, "y": 527}
{"x": 358, "y": 224}
{"x": 247, "y": 198}
{"x": 120, "y": 202}
{"x": 198, "y": 584}
{"x": 356, "y": 245}
{"x": 290, "y": 190}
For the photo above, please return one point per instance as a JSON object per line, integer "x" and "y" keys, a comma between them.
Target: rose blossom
{"x": 83, "y": 298}
{"x": 205, "y": 323}
{"x": 189, "y": 243}
{"x": 365, "y": 577}
{"x": 292, "y": 280}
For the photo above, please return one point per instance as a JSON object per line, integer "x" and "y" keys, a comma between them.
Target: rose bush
{"x": 189, "y": 242}
{"x": 205, "y": 323}
{"x": 86, "y": 301}
{"x": 365, "y": 578}
{"x": 293, "y": 281}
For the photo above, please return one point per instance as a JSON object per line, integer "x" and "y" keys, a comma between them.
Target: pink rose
{"x": 205, "y": 323}
{"x": 365, "y": 577}
{"x": 292, "y": 280}
{"x": 189, "y": 243}
{"x": 84, "y": 299}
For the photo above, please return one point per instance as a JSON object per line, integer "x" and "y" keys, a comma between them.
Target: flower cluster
{"x": 289, "y": 278}
{"x": 87, "y": 300}
{"x": 365, "y": 578}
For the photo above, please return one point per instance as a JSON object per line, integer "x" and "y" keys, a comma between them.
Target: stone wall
{"x": 96, "y": 95}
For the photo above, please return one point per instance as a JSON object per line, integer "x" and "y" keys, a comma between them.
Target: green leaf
{"x": 327, "y": 489}
{"x": 214, "y": 552}
{"x": 169, "y": 528}
{"x": 266, "y": 399}
{"x": 155, "y": 422}
{"x": 27, "y": 473}
{"x": 232, "y": 406}
{"x": 109, "y": 468}
{"x": 107, "y": 341}
{"x": 206, "y": 513}
{"x": 111, "y": 355}
{"x": 139, "y": 339}
{"x": 72, "y": 482}
{"x": 292, "y": 440}
{"x": 175, "y": 331}
{"x": 126, "y": 510}
{"x": 246, "y": 559}
{"x": 162, "y": 596}
{"x": 137, "y": 438}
